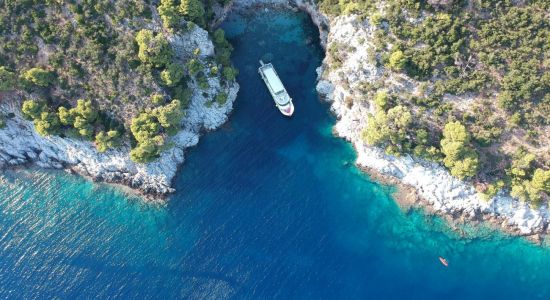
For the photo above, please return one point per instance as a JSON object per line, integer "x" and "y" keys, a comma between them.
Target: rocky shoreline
{"x": 20, "y": 144}
{"x": 428, "y": 184}
{"x": 421, "y": 183}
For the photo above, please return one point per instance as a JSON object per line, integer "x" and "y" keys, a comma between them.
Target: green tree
{"x": 541, "y": 180}
{"x": 389, "y": 129}
{"x": 522, "y": 164}
{"x": 144, "y": 127}
{"x": 170, "y": 116}
{"x": 157, "y": 99}
{"x": 84, "y": 128}
{"x": 86, "y": 110}
{"x": 168, "y": 13}
{"x": 38, "y": 77}
{"x": 194, "y": 66}
{"x": 223, "y": 47}
{"x": 107, "y": 140}
{"x": 172, "y": 75}
{"x": 193, "y": 10}
{"x": 221, "y": 98}
{"x": 230, "y": 73}
{"x": 146, "y": 151}
{"x": 2, "y": 121}
{"x": 7, "y": 79}
{"x": 381, "y": 100}
{"x": 460, "y": 157}
{"x": 66, "y": 116}
{"x": 398, "y": 60}
{"x": 47, "y": 124}
{"x": 32, "y": 109}
{"x": 153, "y": 49}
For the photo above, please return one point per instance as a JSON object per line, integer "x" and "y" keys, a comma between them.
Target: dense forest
{"x": 482, "y": 106}
{"x": 93, "y": 69}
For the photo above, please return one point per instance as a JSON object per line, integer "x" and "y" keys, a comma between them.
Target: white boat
{"x": 276, "y": 88}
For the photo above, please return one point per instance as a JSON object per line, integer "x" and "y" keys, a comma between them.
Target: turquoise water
{"x": 266, "y": 207}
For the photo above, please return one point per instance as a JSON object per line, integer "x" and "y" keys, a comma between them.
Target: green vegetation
{"x": 153, "y": 48}
{"x": 493, "y": 53}
{"x": 528, "y": 182}
{"x": 59, "y": 51}
{"x": 7, "y": 79}
{"x": 389, "y": 130}
{"x": 169, "y": 13}
{"x": 157, "y": 99}
{"x": 192, "y": 10}
{"x": 107, "y": 140}
{"x": 2, "y": 121}
{"x": 223, "y": 48}
{"x": 230, "y": 73}
{"x": 172, "y": 75}
{"x": 150, "y": 127}
{"x": 32, "y": 109}
{"x": 397, "y": 60}
{"x": 221, "y": 98}
{"x": 47, "y": 123}
{"x": 38, "y": 77}
{"x": 460, "y": 157}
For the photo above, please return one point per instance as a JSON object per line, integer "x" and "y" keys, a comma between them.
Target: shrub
{"x": 38, "y": 77}
{"x": 172, "y": 75}
{"x": 32, "y": 109}
{"x": 397, "y": 60}
{"x": 47, "y": 124}
{"x": 7, "y": 79}
{"x": 230, "y": 73}
{"x": 107, "y": 140}
{"x": 193, "y": 10}
{"x": 153, "y": 49}
{"x": 194, "y": 66}
{"x": 221, "y": 98}
{"x": 460, "y": 157}
{"x": 157, "y": 99}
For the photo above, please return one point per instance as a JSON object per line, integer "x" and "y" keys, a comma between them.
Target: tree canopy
{"x": 460, "y": 157}
{"x": 153, "y": 48}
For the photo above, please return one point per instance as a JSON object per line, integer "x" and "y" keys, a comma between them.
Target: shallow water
{"x": 266, "y": 207}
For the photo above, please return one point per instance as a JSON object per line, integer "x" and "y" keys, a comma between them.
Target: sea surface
{"x": 266, "y": 208}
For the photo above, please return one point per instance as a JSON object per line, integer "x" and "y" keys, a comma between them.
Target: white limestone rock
{"x": 434, "y": 184}
{"x": 19, "y": 142}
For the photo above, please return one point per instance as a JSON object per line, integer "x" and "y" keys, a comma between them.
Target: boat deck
{"x": 274, "y": 84}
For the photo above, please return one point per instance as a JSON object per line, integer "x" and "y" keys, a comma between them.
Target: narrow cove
{"x": 266, "y": 207}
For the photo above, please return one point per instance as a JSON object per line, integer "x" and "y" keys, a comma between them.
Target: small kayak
{"x": 444, "y": 261}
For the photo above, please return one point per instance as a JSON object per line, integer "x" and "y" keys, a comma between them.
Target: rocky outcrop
{"x": 20, "y": 144}
{"x": 443, "y": 193}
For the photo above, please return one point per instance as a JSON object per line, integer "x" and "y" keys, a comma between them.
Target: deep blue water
{"x": 266, "y": 207}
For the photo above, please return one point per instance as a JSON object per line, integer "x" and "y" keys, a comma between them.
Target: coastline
{"x": 456, "y": 201}
{"x": 21, "y": 145}
{"x": 419, "y": 183}
{"x": 435, "y": 190}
